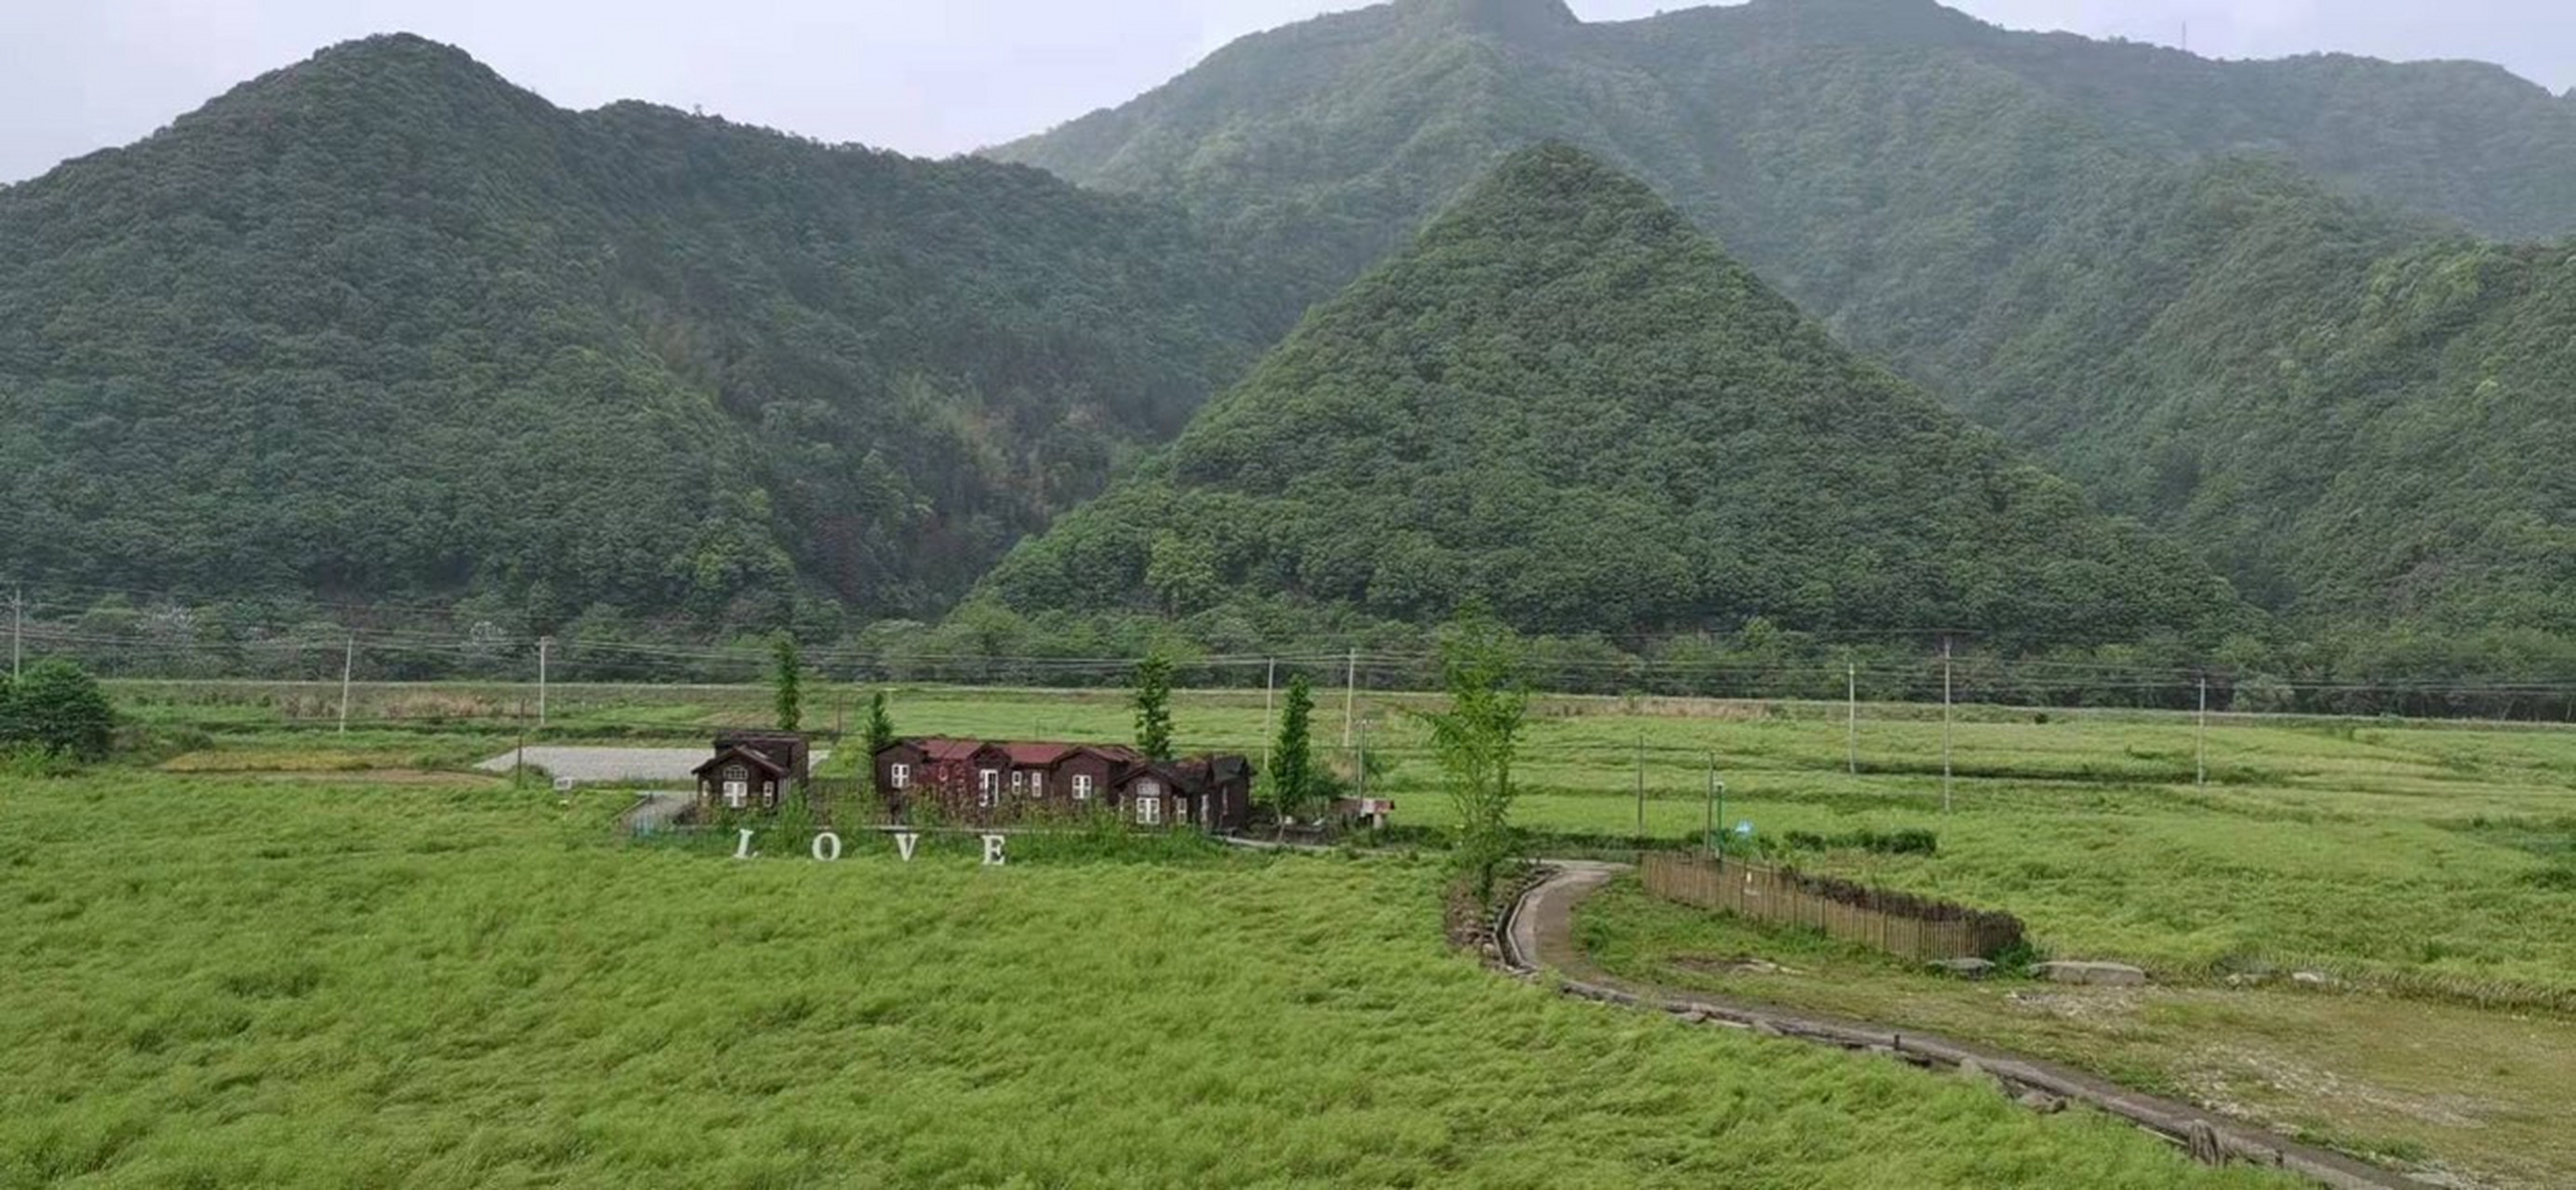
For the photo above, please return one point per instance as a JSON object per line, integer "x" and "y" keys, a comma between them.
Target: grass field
{"x": 2428, "y": 868}
{"x": 2437, "y": 859}
{"x": 240, "y": 980}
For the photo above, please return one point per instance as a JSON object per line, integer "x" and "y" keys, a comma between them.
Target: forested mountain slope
{"x": 1565, "y": 402}
{"x": 2124, "y": 256}
{"x": 382, "y": 324}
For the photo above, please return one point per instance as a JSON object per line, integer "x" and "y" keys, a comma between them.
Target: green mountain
{"x": 381, "y": 324}
{"x": 1565, "y": 402}
{"x": 2228, "y": 298}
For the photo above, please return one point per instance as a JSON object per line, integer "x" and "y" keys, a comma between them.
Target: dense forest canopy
{"x": 1564, "y": 403}
{"x": 2226, "y": 297}
{"x": 381, "y": 325}
{"x": 381, "y": 340}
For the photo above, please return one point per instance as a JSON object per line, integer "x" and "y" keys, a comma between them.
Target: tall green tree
{"x": 1153, "y": 702}
{"x": 1477, "y": 737}
{"x": 790, "y": 682}
{"x": 57, "y": 707}
{"x": 880, "y": 724}
{"x": 1293, "y": 783}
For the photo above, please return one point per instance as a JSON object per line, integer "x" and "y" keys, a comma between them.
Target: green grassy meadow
{"x": 2433, "y": 858}
{"x": 246, "y": 980}
{"x": 2425, "y": 871}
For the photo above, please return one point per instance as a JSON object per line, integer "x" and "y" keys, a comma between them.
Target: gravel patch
{"x": 606, "y": 765}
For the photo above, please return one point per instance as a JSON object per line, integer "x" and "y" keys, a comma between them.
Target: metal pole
{"x": 2201, "y": 746}
{"x": 1359, "y": 766}
{"x": 1641, "y": 785}
{"x": 17, "y": 626}
{"x": 1851, "y": 717}
{"x": 519, "y": 766}
{"x": 1350, "y": 697}
{"x": 348, "y": 665}
{"x": 1709, "y": 829}
{"x": 1945, "y": 725}
{"x": 1269, "y": 687}
{"x": 545, "y": 645}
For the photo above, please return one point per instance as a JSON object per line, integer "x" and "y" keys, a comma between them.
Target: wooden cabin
{"x": 755, "y": 771}
{"x": 1017, "y": 777}
{"x": 1213, "y": 793}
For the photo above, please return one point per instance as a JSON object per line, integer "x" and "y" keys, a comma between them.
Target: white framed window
{"x": 1082, "y": 787}
{"x": 1149, "y": 809}
{"x": 1037, "y": 784}
{"x": 737, "y": 787}
{"x": 988, "y": 785}
{"x": 1019, "y": 782}
{"x": 899, "y": 775}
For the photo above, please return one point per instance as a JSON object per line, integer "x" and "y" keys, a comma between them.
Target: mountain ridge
{"x": 2121, "y": 255}
{"x": 742, "y": 373}
{"x": 1563, "y": 401}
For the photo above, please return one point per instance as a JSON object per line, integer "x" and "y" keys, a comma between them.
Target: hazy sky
{"x": 950, "y": 75}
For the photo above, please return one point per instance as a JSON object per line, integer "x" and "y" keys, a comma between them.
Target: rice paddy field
{"x": 285, "y": 954}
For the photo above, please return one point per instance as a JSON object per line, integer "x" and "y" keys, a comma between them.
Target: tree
{"x": 1293, "y": 781}
{"x": 1154, "y": 707}
{"x": 1477, "y": 736}
{"x": 58, "y": 708}
{"x": 880, "y": 724}
{"x": 791, "y": 674}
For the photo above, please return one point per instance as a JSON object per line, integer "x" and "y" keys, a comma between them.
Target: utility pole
{"x": 1708, "y": 827}
{"x": 1641, "y": 785}
{"x": 1945, "y": 724}
{"x": 2201, "y": 745}
{"x": 348, "y": 666}
{"x": 545, "y": 645}
{"x": 519, "y": 767}
{"x": 1269, "y": 688}
{"x": 17, "y": 627}
{"x": 1716, "y": 805}
{"x": 1350, "y": 697}
{"x": 1359, "y": 767}
{"x": 1851, "y": 717}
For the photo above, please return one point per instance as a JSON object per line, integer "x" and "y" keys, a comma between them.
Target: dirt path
{"x": 1538, "y": 936}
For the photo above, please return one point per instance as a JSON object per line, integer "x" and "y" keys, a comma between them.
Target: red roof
{"x": 944, "y": 749}
{"x": 1023, "y": 753}
{"x": 1037, "y": 756}
{"x": 739, "y": 752}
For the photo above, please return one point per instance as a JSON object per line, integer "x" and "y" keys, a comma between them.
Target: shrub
{"x": 1904, "y": 842}
{"x": 57, "y": 708}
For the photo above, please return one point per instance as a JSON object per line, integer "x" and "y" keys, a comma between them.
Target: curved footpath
{"x": 1537, "y": 935}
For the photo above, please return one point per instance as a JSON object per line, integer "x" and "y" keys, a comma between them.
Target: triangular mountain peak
{"x": 1565, "y": 402}
{"x": 1509, "y": 18}
{"x": 407, "y": 86}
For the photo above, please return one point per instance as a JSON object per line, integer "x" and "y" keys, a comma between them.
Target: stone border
{"x": 1536, "y": 937}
